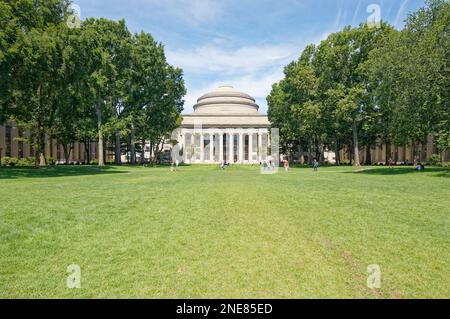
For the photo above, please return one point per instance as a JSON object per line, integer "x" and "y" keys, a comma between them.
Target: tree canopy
{"x": 76, "y": 84}
{"x": 368, "y": 85}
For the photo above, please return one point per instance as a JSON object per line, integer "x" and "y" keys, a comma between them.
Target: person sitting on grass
{"x": 420, "y": 167}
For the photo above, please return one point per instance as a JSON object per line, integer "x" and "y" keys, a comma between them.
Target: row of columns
{"x": 190, "y": 157}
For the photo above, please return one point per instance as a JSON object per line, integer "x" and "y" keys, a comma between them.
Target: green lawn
{"x": 206, "y": 233}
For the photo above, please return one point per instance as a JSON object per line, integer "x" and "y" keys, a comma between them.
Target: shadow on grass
{"x": 436, "y": 171}
{"x": 55, "y": 171}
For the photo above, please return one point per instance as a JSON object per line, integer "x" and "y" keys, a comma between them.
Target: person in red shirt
{"x": 286, "y": 166}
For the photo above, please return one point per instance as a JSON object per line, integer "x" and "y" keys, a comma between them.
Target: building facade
{"x": 225, "y": 127}
{"x": 13, "y": 144}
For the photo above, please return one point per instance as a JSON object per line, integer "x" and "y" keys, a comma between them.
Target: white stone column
{"x": 231, "y": 152}
{"x": 211, "y": 147}
{"x": 221, "y": 147}
{"x": 250, "y": 147}
{"x": 259, "y": 146}
{"x": 192, "y": 147}
{"x": 241, "y": 147}
{"x": 184, "y": 146}
{"x": 202, "y": 147}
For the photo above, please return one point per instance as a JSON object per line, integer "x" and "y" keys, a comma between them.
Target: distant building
{"x": 12, "y": 146}
{"x": 225, "y": 126}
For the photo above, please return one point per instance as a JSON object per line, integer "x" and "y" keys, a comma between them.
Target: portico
{"x": 243, "y": 146}
{"x": 225, "y": 127}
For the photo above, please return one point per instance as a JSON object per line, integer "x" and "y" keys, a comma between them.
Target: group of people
{"x": 267, "y": 166}
{"x": 418, "y": 165}
{"x": 315, "y": 165}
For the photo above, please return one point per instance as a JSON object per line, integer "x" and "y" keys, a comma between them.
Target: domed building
{"x": 225, "y": 126}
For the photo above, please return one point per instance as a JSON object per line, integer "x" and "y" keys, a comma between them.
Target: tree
{"x": 410, "y": 78}
{"x": 29, "y": 65}
{"x": 105, "y": 44}
{"x": 147, "y": 86}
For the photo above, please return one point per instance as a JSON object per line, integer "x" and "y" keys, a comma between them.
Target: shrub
{"x": 9, "y": 161}
{"x": 93, "y": 162}
{"x": 50, "y": 160}
{"x": 435, "y": 159}
{"x": 25, "y": 162}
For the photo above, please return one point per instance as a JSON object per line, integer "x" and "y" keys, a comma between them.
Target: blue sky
{"x": 244, "y": 43}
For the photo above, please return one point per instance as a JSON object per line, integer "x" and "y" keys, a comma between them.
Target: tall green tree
{"x": 410, "y": 78}
{"x": 29, "y": 65}
{"x": 106, "y": 48}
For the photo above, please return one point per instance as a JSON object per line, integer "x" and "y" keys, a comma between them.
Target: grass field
{"x": 206, "y": 233}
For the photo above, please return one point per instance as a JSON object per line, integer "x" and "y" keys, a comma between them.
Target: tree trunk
{"x": 368, "y": 155}
{"x": 151, "y": 153}
{"x": 387, "y": 156}
{"x": 338, "y": 153}
{"x": 133, "y": 146}
{"x": 117, "y": 152}
{"x": 355, "y": 144}
{"x": 101, "y": 159}
{"x": 423, "y": 150}
{"x": 413, "y": 152}
{"x": 66, "y": 149}
{"x": 142, "y": 160}
{"x": 87, "y": 149}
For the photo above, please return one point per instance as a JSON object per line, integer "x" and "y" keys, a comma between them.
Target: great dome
{"x": 226, "y": 100}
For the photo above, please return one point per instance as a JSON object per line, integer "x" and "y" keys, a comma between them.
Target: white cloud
{"x": 251, "y": 69}
{"x": 257, "y": 85}
{"x": 211, "y": 58}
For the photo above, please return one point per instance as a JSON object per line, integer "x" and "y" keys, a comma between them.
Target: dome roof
{"x": 226, "y": 100}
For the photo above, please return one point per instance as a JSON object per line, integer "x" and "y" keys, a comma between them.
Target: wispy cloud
{"x": 213, "y": 58}
{"x": 257, "y": 85}
{"x": 355, "y": 15}
{"x": 338, "y": 18}
{"x": 400, "y": 12}
{"x": 252, "y": 69}
{"x": 244, "y": 43}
